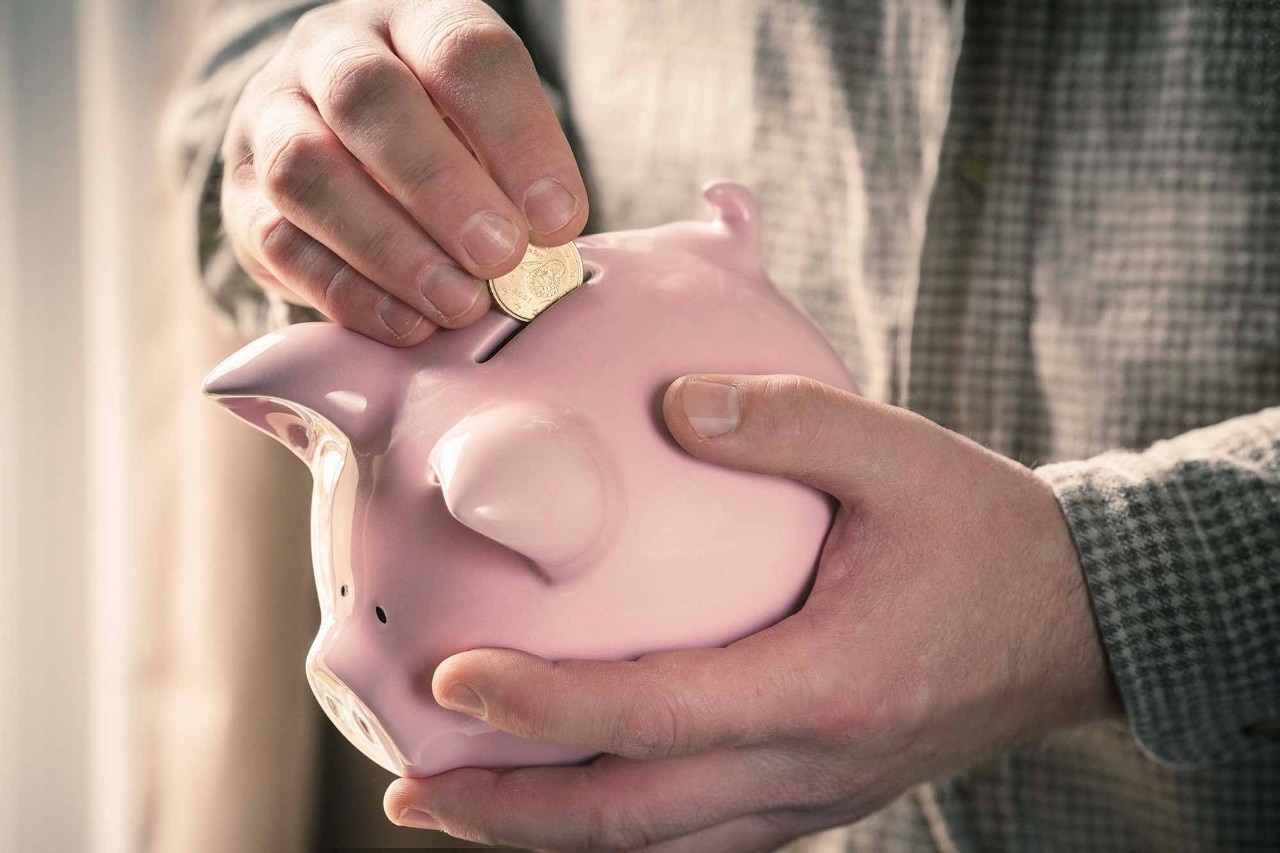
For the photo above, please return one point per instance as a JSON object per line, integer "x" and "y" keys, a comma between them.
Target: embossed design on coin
{"x": 543, "y": 276}
{"x": 544, "y": 280}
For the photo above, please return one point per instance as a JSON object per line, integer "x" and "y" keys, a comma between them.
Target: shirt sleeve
{"x": 1180, "y": 546}
{"x": 236, "y": 39}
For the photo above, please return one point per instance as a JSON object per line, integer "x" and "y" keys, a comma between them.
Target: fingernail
{"x": 460, "y": 697}
{"x": 450, "y": 290}
{"x": 489, "y": 238}
{"x": 416, "y": 818}
{"x": 712, "y": 408}
{"x": 548, "y": 206}
{"x": 402, "y": 320}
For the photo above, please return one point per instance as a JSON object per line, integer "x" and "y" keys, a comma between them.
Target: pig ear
{"x": 736, "y": 211}
{"x": 532, "y": 480}
{"x": 300, "y": 383}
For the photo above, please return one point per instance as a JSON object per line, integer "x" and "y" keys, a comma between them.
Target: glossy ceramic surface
{"x": 484, "y": 489}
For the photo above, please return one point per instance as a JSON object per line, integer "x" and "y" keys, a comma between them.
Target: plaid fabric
{"x": 1054, "y": 227}
{"x": 1182, "y": 541}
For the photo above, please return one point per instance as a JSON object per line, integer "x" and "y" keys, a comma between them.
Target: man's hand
{"x": 390, "y": 156}
{"x": 949, "y": 621}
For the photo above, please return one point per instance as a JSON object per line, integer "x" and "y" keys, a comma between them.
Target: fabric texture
{"x": 1053, "y": 227}
{"x": 1182, "y": 544}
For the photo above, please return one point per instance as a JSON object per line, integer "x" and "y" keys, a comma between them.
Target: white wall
{"x": 80, "y": 88}
{"x": 43, "y": 631}
{"x": 155, "y": 596}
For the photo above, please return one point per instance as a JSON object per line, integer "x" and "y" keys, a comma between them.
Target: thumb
{"x": 795, "y": 427}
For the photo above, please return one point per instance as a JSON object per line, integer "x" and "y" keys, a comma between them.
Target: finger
{"x": 478, "y": 71}
{"x": 237, "y": 214}
{"x": 794, "y": 427}
{"x": 753, "y": 833}
{"x": 379, "y": 110}
{"x": 315, "y": 274}
{"x": 612, "y": 804}
{"x": 307, "y": 174}
{"x": 662, "y": 704}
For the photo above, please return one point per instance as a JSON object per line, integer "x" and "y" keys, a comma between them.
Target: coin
{"x": 545, "y": 274}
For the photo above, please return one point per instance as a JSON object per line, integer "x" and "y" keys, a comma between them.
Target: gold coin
{"x": 544, "y": 275}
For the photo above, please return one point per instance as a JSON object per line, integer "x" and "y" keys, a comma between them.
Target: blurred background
{"x": 157, "y": 601}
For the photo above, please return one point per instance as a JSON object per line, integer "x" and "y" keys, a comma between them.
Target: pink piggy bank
{"x": 514, "y": 486}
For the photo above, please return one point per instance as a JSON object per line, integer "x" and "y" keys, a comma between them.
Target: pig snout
{"x": 353, "y": 717}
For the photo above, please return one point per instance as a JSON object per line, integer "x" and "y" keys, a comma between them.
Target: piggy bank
{"x": 510, "y": 485}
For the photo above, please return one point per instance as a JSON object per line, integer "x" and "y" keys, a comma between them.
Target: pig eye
{"x": 382, "y": 615}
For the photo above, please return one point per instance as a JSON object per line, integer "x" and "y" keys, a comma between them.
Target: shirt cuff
{"x": 1180, "y": 547}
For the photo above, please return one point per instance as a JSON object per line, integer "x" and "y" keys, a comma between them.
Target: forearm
{"x": 1180, "y": 546}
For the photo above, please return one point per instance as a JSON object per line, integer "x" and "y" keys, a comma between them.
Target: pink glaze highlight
{"x": 534, "y": 499}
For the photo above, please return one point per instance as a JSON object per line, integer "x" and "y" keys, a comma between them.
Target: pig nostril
{"x": 357, "y": 714}
{"x": 364, "y": 728}
{"x": 382, "y": 615}
{"x": 343, "y": 591}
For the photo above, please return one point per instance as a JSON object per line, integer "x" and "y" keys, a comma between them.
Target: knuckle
{"x": 792, "y": 778}
{"x": 355, "y": 80}
{"x": 855, "y": 713}
{"x": 471, "y": 48}
{"x": 338, "y": 296}
{"x": 278, "y": 239}
{"x": 830, "y": 725}
{"x": 792, "y": 405}
{"x": 429, "y": 176}
{"x": 800, "y": 392}
{"x": 651, "y": 729}
{"x": 799, "y": 417}
{"x": 813, "y": 781}
{"x": 236, "y": 150}
{"x": 384, "y": 245}
{"x": 612, "y": 823}
{"x": 237, "y": 164}
{"x": 526, "y": 718}
{"x": 294, "y": 165}
{"x": 240, "y": 122}
{"x": 527, "y": 713}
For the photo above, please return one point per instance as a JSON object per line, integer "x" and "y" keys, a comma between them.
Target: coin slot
{"x": 505, "y": 330}
{"x": 493, "y": 345}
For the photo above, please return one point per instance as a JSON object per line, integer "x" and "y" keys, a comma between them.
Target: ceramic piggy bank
{"x": 514, "y": 486}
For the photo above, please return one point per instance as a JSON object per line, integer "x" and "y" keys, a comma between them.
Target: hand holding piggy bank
{"x": 514, "y": 486}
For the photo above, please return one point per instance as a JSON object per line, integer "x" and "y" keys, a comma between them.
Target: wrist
{"x": 1083, "y": 689}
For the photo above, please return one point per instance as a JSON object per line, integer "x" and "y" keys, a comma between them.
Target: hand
{"x": 391, "y": 155}
{"x": 948, "y": 621}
